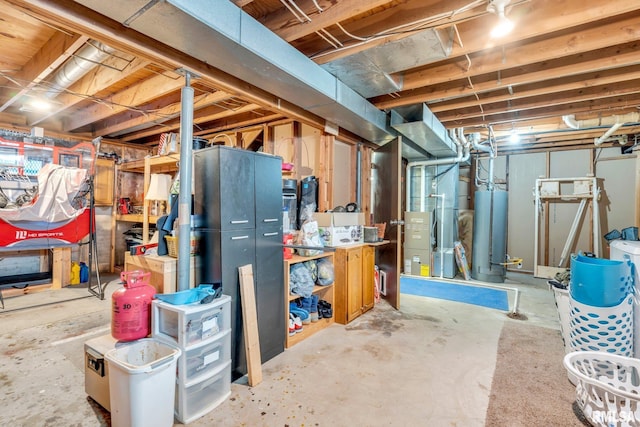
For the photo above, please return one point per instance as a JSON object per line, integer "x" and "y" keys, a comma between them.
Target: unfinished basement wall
{"x": 617, "y": 172}
{"x": 616, "y": 178}
{"x": 342, "y": 175}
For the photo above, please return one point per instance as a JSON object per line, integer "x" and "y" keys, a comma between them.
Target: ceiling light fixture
{"x": 36, "y": 105}
{"x": 514, "y": 137}
{"x": 504, "y": 26}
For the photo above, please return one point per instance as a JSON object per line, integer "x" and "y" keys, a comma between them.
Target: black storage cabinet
{"x": 238, "y": 201}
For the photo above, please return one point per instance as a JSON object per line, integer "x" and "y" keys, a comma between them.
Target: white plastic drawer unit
{"x": 196, "y": 400}
{"x": 190, "y": 324}
{"x": 201, "y": 360}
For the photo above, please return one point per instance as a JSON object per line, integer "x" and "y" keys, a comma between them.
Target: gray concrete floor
{"x": 431, "y": 360}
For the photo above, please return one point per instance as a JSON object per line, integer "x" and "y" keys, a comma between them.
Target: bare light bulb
{"x": 503, "y": 27}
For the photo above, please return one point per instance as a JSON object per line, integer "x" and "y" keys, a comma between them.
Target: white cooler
{"x": 618, "y": 249}
{"x": 96, "y": 371}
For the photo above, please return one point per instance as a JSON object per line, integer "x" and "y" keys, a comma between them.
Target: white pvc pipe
{"x": 607, "y": 134}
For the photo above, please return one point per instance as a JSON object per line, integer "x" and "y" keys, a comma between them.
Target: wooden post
{"x": 61, "y": 267}
{"x": 250, "y": 321}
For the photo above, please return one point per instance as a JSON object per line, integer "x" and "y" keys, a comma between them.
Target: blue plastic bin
{"x": 600, "y": 282}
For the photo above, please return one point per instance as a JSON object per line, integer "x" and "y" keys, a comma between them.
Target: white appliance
{"x": 617, "y": 250}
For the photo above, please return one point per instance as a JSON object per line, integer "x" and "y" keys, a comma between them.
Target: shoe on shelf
{"x": 292, "y": 327}
{"x": 312, "y": 303}
{"x": 300, "y": 312}
{"x": 297, "y": 322}
{"x": 325, "y": 309}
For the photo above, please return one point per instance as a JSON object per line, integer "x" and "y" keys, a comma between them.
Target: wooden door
{"x": 354, "y": 283}
{"x": 368, "y": 280}
{"x": 386, "y": 182}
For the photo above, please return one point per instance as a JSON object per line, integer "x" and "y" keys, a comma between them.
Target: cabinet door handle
{"x": 239, "y": 237}
{"x": 240, "y": 221}
{"x": 270, "y": 234}
{"x": 270, "y": 220}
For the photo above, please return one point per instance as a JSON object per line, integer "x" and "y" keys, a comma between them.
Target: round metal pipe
{"x": 184, "y": 198}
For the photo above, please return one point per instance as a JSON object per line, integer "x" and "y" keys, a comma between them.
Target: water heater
{"x": 490, "y": 236}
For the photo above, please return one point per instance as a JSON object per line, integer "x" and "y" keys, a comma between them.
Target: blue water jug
{"x": 84, "y": 273}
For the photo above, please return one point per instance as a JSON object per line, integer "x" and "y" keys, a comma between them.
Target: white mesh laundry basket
{"x": 608, "y": 329}
{"x": 608, "y": 390}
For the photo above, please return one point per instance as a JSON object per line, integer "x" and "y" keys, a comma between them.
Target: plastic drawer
{"x": 200, "y": 361}
{"x": 190, "y": 324}
{"x": 199, "y": 399}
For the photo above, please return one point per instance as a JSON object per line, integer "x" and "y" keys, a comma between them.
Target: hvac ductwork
{"x": 221, "y": 34}
{"x": 615, "y": 121}
{"x": 86, "y": 58}
{"x": 422, "y": 127}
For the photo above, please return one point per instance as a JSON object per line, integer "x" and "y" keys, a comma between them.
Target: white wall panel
{"x": 567, "y": 164}
{"x": 524, "y": 169}
{"x": 617, "y": 179}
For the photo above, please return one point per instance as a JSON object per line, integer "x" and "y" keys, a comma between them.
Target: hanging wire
{"x": 420, "y": 24}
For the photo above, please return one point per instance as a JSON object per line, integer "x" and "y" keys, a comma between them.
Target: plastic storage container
{"x": 607, "y": 329}
{"x": 607, "y": 391}
{"x": 201, "y": 360}
{"x": 599, "y": 282}
{"x": 195, "y": 400}
{"x": 142, "y": 378}
{"x": 190, "y": 324}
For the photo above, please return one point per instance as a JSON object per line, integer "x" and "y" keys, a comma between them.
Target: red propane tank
{"x": 131, "y": 307}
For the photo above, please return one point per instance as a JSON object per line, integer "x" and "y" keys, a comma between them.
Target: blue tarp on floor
{"x": 486, "y": 297}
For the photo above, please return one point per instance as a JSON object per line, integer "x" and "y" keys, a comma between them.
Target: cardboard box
{"x": 417, "y": 262}
{"x": 340, "y": 228}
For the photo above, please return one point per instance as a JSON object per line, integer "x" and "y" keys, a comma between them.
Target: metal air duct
{"x": 86, "y": 58}
{"x": 219, "y": 33}
{"x": 369, "y": 72}
{"x": 421, "y": 126}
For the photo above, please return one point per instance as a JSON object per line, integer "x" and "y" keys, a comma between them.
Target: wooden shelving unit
{"x": 324, "y": 292}
{"x": 147, "y": 166}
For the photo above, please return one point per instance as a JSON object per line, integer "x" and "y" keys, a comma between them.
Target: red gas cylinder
{"x": 131, "y": 314}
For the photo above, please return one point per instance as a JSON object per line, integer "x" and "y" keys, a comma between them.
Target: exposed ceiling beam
{"x": 134, "y": 119}
{"x": 600, "y": 60}
{"x": 524, "y": 104}
{"x": 83, "y": 20}
{"x": 239, "y": 122}
{"x": 284, "y": 24}
{"x": 605, "y": 107}
{"x": 135, "y": 95}
{"x": 210, "y": 113}
{"x": 541, "y": 89}
{"x": 54, "y": 53}
{"x": 96, "y": 80}
{"x": 591, "y": 39}
{"x": 242, "y": 3}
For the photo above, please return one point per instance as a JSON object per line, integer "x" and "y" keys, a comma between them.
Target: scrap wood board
{"x": 250, "y": 321}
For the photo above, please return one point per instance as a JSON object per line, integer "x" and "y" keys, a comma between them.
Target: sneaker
{"x": 301, "y": 313}
{"x": 324, "y": 307}
{"x": 297, "y": 323}
{"x": 292, "y": 327}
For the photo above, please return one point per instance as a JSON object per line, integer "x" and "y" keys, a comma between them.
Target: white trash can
{"x": 142, "y": 383}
